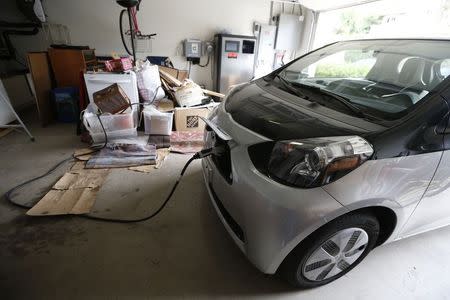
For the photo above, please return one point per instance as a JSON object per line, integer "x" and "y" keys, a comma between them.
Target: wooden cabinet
{"x": 68, "y": 63}
{"x": 42, "y": 82}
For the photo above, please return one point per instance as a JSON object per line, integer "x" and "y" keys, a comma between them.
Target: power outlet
{"x": 209, "y": 48}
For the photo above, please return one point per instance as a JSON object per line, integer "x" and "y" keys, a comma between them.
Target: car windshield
{"x": 384, "y": 78}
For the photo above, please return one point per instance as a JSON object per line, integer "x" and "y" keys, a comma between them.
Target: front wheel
{"x": 331, "y": 251}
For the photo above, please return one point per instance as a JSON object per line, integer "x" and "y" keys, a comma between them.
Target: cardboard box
{"x": 111, "y": 99}
{"x": 181, "y": 75}
{"x": 187, "y": 118}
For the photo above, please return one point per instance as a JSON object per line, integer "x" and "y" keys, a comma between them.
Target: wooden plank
{"x": 40, "y": 73}
{"x": 170, "y": 79}
{"x": 211, "y": 93}
{"x": 181, "y": 75}
{"x": 168, "y": 89}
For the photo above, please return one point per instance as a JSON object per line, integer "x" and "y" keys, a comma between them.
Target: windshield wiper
{"x": 293, "y": 85}
{"x": 290, "y": 86}
{"x": 345, "y": 101}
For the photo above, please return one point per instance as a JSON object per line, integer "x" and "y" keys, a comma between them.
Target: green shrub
{"x": 341, "y": 71}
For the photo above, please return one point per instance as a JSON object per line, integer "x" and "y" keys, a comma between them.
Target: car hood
{"x": 278, "y": 115}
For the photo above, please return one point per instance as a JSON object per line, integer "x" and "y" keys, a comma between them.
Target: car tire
{"x": 317, "y": 261}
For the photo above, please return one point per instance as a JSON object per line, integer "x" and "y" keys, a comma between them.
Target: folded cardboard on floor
{"x": 187, "y": 118}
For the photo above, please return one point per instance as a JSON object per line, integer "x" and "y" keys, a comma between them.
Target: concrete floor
{"x": 183, "y": 253}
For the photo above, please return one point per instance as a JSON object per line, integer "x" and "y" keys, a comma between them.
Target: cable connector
{"x": 217, "y": 150}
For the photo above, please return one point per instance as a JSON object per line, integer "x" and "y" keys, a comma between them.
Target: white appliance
{"x": 127, "y": 81}
{"x": 289, "y": 32}
{"x": 266, "y": 50}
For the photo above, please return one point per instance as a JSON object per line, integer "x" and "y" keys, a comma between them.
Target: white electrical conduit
{"x": 312, "y": 29}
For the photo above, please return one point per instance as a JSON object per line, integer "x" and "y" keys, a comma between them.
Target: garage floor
{"x": 185, "y": 252}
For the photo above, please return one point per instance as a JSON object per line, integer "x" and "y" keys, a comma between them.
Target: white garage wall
{"x": 95, "y": 23}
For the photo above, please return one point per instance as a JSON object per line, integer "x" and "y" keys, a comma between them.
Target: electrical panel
{"x": 289, "y": 32}
{"x": 193, "y": 50}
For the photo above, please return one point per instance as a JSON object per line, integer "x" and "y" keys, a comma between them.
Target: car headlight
{"x": 317, "y": 161}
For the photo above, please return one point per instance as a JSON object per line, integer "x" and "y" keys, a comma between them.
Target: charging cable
{"x": 201, "y": 154}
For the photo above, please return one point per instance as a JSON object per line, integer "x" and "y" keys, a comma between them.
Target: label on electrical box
{"x": 194, "y": 48}
{"x": 232, "y": 55}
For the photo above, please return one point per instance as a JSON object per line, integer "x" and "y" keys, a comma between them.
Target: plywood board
{"x": 67, "y": 65}
{"x": 42, "y": 82}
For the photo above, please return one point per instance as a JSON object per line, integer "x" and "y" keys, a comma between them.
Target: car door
{"x": 433, "y": 211}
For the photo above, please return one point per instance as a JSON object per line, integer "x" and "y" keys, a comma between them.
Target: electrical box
{"x": 193, "y": 50}
{"x": 289, "y": 32}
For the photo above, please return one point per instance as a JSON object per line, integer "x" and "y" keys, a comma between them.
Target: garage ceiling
{"x": 325, "y": 5}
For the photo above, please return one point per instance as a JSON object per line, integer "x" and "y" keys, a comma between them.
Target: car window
{"x": 344, "y": 64}
{"x": 383, "y": 77}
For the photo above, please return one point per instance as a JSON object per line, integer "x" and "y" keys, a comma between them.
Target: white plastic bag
{"x": 149, "y": 82}
{"x": 189, "y": 94}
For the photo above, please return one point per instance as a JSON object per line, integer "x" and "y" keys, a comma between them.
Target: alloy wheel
{"x": 336, "y": 255}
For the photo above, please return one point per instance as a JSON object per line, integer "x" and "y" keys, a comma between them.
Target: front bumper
{"x": 265, "y": 219}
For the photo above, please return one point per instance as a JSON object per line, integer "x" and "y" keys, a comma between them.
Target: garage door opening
{"x": 383, "y": 19}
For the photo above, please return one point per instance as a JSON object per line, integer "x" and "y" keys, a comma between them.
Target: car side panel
{"x": 396, "y": 183}
{"x": 433, "y": 210}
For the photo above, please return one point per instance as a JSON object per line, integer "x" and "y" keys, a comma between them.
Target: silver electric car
{"x": 337, "y": 152}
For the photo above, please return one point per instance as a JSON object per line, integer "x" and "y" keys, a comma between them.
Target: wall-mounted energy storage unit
{"x": 234, "y": 60}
